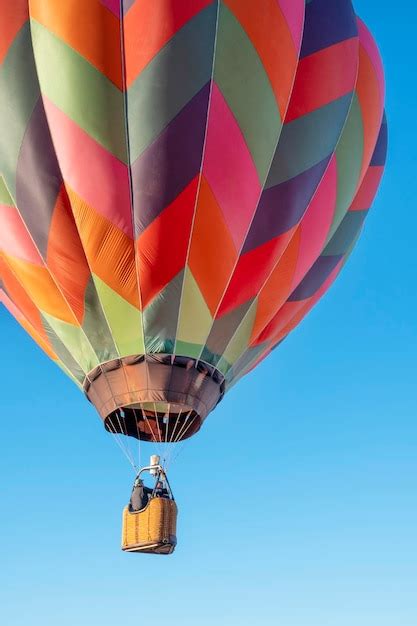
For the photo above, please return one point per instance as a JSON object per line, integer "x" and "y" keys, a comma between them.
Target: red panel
{"x": 13, "y": 14}
{"x": 267, "y": 28}
{"x": 162, "y": 247}
{"x": 149, "y": 25}
{"x": 371, "y": 103}
{"x": 323, "y": 77}
{"x": 278, "y": 286}
{"x": 367, "y": 191}
{"x": 252, "y": 271}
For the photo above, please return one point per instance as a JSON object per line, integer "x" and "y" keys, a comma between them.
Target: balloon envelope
{"x": 180, "y": 183}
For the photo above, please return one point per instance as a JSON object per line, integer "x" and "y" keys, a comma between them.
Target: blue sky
{"x": 313, "y": 524}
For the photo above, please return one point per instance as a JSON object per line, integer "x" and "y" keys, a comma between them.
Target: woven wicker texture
{"x": 151, "y": 530}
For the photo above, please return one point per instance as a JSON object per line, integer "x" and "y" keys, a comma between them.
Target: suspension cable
{"x": 121, "y": 445}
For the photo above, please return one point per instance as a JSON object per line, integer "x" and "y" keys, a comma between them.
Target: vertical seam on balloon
{"x": 63, "y": 186}
{"x": 257, "y": 204}
{"x": 200, "y": 175}
{"x": 129, "y": 168}
{"x": 129, "y": 173}
{"x": 304, "y": 213}
{"x": 44, "y": 265}
{"x": 270, "y": 344}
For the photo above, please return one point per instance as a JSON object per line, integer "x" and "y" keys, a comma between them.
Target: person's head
{"x": 138, "y": 482}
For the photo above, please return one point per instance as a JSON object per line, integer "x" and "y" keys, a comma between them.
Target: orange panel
{"x": 88, "y": 27}
{"x": 21, "y": 319}
{"x": 41, "y": 288}
{"x": 277, "y": 288}
{"x": 212, "y": 254}
{"x": 20, "y": 299}
{"x": 163, "y": 246}
{"x": 37, "y": 338}
{"x": 65, "y": 255}
{"x": 109, "y": 251}
{"x": 266, "y": 27}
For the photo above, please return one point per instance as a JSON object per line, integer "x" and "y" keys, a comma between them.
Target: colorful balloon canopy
{"x": 180, "y": 182}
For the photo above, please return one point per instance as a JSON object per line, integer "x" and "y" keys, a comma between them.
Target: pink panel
{"x": 230, "y": 170}
{"x": 14, "y": 237}
{"x": 294, "y": 11}
{"x": 367, "y": 191}
{"x": 316, "y": 223}
{"x": 112, "y": 5}
{"x": 92, "y": 172}
{"x": 368, "y": 42}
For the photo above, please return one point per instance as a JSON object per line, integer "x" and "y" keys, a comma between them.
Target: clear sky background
{"x": 308, "y": 515}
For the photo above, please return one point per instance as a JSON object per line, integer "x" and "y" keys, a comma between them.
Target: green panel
{"x": 62, "y": 352}
{"x": 160, "y": 317}
{"x": 242, "y": 79}
{"x": 239, "y": 342}
{"x": 350, "y": 249}
{"x": 224, "y": 328}
{"x": 87, "y": 96}
{"x": 195, "y": 319}
{"x": 349, "y": 228}
{"x": 183, "y": 348}
{"x": 234, "y": 374}
{"x": 124, "y": 320}
{"x": 96, "y": 327}
{"x": 308, "y": 140}
{"x": 177, "y": 73}
{"x": 349, "y": 155}
{"x": 19, "y": 93}
{"x": 74, "y": 341}
{"x": 69, "y": 374}
{"x": 5, "y": 197}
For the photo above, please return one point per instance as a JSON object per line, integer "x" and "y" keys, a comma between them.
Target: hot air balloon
{"x": 180, "y": 182}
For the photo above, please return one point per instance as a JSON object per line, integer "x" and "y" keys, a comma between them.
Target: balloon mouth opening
{"x": 154, "y": 397}
{"x": 163, "y": 423}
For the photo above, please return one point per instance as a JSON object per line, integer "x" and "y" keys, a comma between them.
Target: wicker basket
{"x": 151, "y": 530}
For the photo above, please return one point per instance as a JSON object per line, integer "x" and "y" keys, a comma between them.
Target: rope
{"x": 121, "y": 445}
{"x": 179, "y": 448}
{"x": 137, "y": 429}
{"x": 157, "y": 422}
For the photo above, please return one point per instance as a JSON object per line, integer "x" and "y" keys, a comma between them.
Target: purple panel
{"x": 38, "y": 178}
{"x": 312, "y": 281}
{"x": 127, "y": 4}
{"x": 327, "y": 22}
{"x": 380, "y": 153}
{"x": 281, "y": 207}
{"x": 170, "y": 162}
